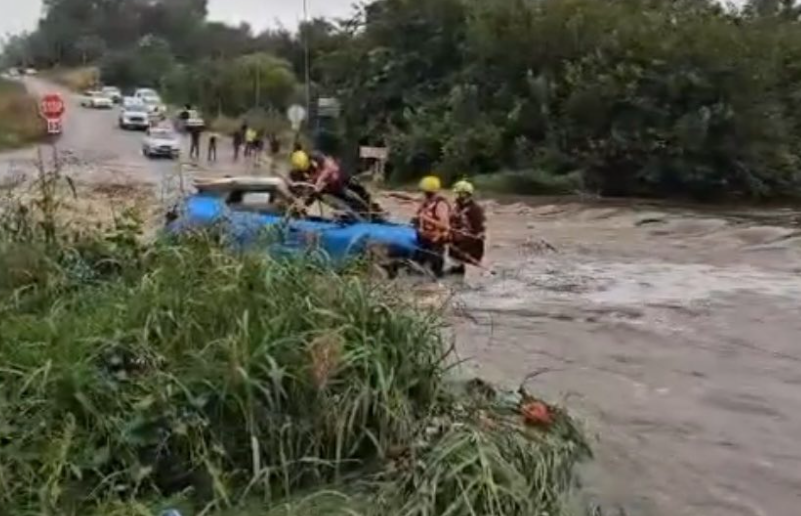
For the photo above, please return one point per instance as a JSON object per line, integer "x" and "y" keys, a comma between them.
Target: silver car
{"x": 134, "y": 115}
{"x": 161, "y": 142}
{"x": 96, "y": 100}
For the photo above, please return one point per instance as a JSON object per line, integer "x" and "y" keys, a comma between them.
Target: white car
{"x": 161, "y": 142}
{"x": 193, "y": 120}
{"x": 134, "y": 115}
{"x": 96, "y": 100}
{"x": 113, "y": 93}
{"x": 148, "y": 96}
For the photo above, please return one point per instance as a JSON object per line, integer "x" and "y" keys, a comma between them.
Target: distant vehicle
{"x": 193, "y": 119}
{"x": 96, "y": 100}
{"x": 161, "y": 142}
{"x": 30, "y": 71}
{"x": 113, "y": 93}
{"x": 153, "y": 101}
{"x": 141, "y": 93}
{"x": 134, "y": 115}
{"x": 130, "y": 101}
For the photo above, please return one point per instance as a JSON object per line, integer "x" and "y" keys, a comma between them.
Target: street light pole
{"x": 307, "y": 57}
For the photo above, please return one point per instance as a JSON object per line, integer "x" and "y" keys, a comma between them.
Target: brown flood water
{"x": 674, "y": 334}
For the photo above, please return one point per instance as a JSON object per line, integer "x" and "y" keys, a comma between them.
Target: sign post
{"x": 51, "y": 108}
{"x": 379, "y": 157}
{"x": 296, "y": 115}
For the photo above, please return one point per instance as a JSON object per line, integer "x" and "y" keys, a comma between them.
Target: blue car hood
{"x": 339, "y": 240}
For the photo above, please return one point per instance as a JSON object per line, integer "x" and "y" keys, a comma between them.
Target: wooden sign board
{"x": 379, "y": 153}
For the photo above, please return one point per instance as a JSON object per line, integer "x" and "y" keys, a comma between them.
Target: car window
{"x": 252, "y": 201}
{"x": 161, "y": 134}
{"x": 136, "y": 108}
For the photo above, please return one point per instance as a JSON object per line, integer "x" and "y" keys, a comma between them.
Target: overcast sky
{"x": 19, "y": 15}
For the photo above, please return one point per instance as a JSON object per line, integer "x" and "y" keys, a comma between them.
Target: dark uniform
{"x": 468, "y": 229}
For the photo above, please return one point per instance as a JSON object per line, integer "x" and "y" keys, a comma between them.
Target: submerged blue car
{"x": 248, "y": 208}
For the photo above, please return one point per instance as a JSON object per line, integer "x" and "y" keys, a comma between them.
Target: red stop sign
{"x": 52, "y": 106}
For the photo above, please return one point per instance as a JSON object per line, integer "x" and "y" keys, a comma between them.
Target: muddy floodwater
{"x": 676, "y": 336}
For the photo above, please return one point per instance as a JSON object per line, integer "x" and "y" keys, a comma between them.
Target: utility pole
{"x": 307, "y": 55}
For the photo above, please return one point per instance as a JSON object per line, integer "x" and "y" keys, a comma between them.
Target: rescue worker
{"x": 468, "y": 228}
{"x": 238, "y": 140}
{"x": 250, "y": 141}
{"x": 329, "y": 178}
{"x": 299, "y": 167}
{"x": 432, "y": 222}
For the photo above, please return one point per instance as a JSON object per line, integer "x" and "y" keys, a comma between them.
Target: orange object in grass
{"x": 536, "y": 413}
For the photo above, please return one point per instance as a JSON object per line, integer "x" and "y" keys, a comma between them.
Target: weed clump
{"x": 20, "y": 123}
{"x": 232, "y": 383}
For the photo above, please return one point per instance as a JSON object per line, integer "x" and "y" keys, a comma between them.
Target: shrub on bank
{"x": 76, "y": 79}
{"x": 20, "y": 123}
{"x": 641, "y": 97}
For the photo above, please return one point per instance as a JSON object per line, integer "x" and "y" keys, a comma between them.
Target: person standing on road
{"x": 250, "y": 141}
{"x": 238, "y": 140}
{"x": 212, "y": 153}
{"x": 432, "y": 223}
{"x": 194, "y": 147}
{"x": 468, "y": 229}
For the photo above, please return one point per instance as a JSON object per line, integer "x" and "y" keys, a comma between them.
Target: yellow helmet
{"x": 300, "y": 161}
{"x": 430, "y": 184}
{"x": 463, "y": 187}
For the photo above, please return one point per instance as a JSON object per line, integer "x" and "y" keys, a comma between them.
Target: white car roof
{"x": 246, "y": 183}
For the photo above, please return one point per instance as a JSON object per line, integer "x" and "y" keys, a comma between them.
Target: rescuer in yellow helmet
{"x": 432, "y": 222}
{"x": 468, "y": 228}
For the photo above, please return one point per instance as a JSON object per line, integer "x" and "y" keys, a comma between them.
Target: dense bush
{"x": 253, "y": 82}
{"x": 641, "y": 97}
{"x": 20, "y": 122}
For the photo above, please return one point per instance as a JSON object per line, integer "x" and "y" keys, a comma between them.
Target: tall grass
{"x": 76, "y": 79}
{"x": 20, "y": 123}
{"x": 135, "y": 377}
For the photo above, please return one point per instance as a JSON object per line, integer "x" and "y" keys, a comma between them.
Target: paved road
{"x": 97, "y": 151}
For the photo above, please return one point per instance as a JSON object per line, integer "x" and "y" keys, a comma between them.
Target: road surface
{"x": 96, "y": 151}
{"x": 675, "y": 334}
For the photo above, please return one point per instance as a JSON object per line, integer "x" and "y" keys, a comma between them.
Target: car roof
{"x": 160, "y": 129}
{"x": 242, "y": 183}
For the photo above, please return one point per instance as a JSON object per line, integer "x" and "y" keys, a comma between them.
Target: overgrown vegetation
{"x": 76, "y": 79}
{"x": 630, "y": 97}
{"x": 19, "y": 116}
{"x": 134, "y": 378}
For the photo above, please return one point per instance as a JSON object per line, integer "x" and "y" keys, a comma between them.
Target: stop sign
{"x": 52, "y": 106}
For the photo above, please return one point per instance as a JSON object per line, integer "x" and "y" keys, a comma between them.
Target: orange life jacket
{"x": 429, "y": 225}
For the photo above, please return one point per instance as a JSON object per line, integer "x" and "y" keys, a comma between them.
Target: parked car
{"x": 161, "y": 142}
{"x": 134, "y": 115}
{"x": 113, "y": 93}
{"x": 96, "y": 99}
{"x": 193, "y": 119}
{"x": 152, "y": 99}
{"x": 245, "y": 206}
